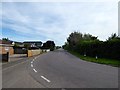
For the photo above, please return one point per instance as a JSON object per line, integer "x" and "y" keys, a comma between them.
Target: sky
{"x": 42, "y": 21}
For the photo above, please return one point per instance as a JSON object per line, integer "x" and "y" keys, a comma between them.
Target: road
{"x": 58, "y": 69}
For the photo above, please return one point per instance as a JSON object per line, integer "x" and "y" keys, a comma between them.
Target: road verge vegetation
{"x": 90, "y": 48}
{"x": 112, "y": 62}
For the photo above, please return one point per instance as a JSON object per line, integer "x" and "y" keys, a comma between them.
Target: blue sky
{"x": 27, "y": 21}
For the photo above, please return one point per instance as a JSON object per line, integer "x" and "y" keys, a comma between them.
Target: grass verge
{"x": 112, "y": 62}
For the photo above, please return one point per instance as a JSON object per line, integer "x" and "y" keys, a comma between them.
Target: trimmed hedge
{"x": 108, "y": 49}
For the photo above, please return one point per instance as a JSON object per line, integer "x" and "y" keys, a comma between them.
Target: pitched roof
{"x": 5, "y": 42}
{"x": 32, "y": 42}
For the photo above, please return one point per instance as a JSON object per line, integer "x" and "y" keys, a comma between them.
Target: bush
{"x": 93, "y": 47}
{"x": 52, "y": 48}
{"x": 108, "y": 49}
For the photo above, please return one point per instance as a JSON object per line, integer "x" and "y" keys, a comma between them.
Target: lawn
{"x": 111, "y": 62}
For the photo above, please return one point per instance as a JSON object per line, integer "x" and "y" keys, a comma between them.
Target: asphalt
{"x": 58, "y": 69}
{"x": 16, "y": 75}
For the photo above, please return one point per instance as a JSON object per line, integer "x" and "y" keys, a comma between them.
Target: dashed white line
{"x": 31, "y": 65}
{"x": 34, "y": 70}
{"x": 36, "y": 57}
{"x": 45, "y": 78}
{"x": 32, "y": 62}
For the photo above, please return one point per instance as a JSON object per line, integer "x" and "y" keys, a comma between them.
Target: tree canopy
{"x": 49, "y": 45}
{"x": 77, "y": 37}
{"x": 5, "y": 39}
{"x": 91, "y": 46}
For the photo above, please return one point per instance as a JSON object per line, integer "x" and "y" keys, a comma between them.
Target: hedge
{"x": 107, "y": 49}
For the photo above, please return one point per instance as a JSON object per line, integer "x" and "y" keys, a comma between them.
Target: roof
{"x": 5, "y": 42}
{"x": 32, "y": 42}
{"x": 17, "y": 42}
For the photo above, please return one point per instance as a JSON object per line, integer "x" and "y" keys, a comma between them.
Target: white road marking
{"x": 32, "y": 62}
{"x": 34, "y": 70}
{"x": 31, "y": 65}
{"x": 45, "y": 78}
{"x": 36, "y": 57}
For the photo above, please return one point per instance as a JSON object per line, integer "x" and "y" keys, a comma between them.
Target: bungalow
{"x": 34, "y": 44}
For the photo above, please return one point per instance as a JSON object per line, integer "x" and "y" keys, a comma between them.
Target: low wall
{"x": 34, "y": 52}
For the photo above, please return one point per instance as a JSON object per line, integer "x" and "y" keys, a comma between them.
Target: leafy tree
{"x": 16, "y": 45}
{"x": 5, "y": 39}
{"x": 89, "y": 37}
{"x": 74, "y": 38}
{"x": 49, "y": 45}
{"x": 113, "y": 36}
{"x": 91, "y": 46}
{"x": 27, "y": 46}
{"x": 57, "y": 47}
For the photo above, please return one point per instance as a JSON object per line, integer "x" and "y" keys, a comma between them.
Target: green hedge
{"x": 108, "y": 49}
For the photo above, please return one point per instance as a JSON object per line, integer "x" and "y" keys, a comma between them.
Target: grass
{"x": 112, "y": 62}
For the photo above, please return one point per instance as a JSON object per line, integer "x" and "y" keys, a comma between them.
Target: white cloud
{"x": 60, "y": 0}
{"x": 57, "y": 20}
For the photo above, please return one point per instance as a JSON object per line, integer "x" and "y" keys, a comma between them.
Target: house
{"x": 6, "y": 46}
{"x": 18, "y": 44}
{"x": 34, "y": 44}
{"x": 19, "y": 48}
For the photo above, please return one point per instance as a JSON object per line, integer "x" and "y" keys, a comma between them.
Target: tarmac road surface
{"x": 58, "y": 69}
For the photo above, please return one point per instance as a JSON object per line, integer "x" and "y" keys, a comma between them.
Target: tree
{"x": 89, "y": 37}
{"x": 27, "y": 46}
{"x": 49, "y": 45}
{"x": 5, "y": 39}
{"x": 57, "y": 47}
{"x": 113, "y": 36}
{"x": 86, "y": 44}
{"x": 16, "y": 45}
{"x": 74, "y": 38}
